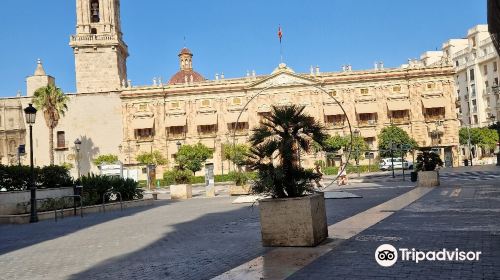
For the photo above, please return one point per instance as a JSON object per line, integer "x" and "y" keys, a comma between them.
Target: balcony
{"x": 176, "y": 136}
{"x": 434, "y": 118}
{"x": 367, "y": 123}
{"x": 400, "y": 120}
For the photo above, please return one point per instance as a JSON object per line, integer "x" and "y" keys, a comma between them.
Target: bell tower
{"x": 100, "y": 52}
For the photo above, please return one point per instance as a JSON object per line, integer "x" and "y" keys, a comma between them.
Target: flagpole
{"x": 281, "y": 51}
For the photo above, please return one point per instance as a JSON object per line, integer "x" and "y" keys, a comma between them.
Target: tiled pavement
{"x": 203, "y": 238}
{"x": 463, "y": 216}
{"x": 195, "y": 239}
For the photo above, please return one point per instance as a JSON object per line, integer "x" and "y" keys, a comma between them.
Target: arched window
{"x": 94, "y": 10}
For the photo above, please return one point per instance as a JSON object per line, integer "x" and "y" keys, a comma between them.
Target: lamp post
{"x": 496, "y": 91}
{"x": 30, "y": 114}
{"x": 497, "y": 124}
{"x": 356, "y": 133}
{"x": 78, "y": 145}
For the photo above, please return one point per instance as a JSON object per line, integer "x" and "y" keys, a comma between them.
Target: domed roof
{"x": 185, "y": 51}
{"x": 184, "y": 76}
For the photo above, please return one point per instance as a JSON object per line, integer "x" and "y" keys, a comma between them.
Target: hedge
{"x": 17, "y": 178}
{"x": 230, "y": 177}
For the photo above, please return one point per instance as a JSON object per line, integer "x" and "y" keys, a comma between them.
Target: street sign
{"x": 21, "y": 149}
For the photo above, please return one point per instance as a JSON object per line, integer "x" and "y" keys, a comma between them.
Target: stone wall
{"x": 13, "y": 203}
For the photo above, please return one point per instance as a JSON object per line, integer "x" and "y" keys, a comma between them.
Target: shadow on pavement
{"x": 15, "y": 237}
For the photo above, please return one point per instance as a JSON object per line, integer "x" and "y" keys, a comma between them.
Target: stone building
{"x": 110, "y": 115}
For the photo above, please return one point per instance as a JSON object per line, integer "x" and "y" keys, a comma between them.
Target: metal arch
{"x": 324, "y": 91}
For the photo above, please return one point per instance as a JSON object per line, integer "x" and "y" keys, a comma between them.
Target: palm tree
{"x": 275, "y": 153}
{"x": 53, "y": 102}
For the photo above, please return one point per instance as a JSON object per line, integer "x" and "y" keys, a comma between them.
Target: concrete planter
{"x": 25, "y": 218}
{"x": 293, "y": 222}
{"x": 184, "y": 191}
{"x": 428, "y": 179}
{"x": 239, "y": 190}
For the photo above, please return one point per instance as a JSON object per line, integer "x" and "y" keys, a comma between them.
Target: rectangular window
{"x": 236, "y": 101}
{"x": 485, "y": 69}
{"x": 364, "y": 91}
{"x": 143, "y": 134}
{"x": 335, "y": 121}
{"x": 143, "y": 107}
{"x": 471, "y": 75}
{"x": 473, "y": 91}
{"x": 61, "y": 139}
{"x": 495, "y": 66}
{"x": 401, "y": 116}
{"x": 434, "y": 114}
{"x": 367, "y": 119}
{"x": 430, "y": 86}
{"x": 205, "y": 103}
{"x": 396, "y": 89}
{"x": 207, "y": 129}
{"x": 238, "y": 127}
{"x": 176, "y": 132}
{"x": 174, "y": 105}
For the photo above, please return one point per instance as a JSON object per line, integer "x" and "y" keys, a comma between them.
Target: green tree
{"x": 359, "y": 147}
{"x": 53, "y": 103}
{"x": 154, "y": 157}
{"x": 105, "y": 159}
{"x": 192, "y": 157}
{"x": 397, "y": 136}
{"x": 335, "y": 143}
{"x": 274, "y": 152}
{"x": 236, "y": 153}
{"x": 485, "y": 138}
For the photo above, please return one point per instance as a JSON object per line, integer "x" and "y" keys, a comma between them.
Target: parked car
{"x": 386, "y": 164}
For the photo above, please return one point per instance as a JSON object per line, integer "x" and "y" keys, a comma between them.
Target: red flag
{"x": 280, "y": 33}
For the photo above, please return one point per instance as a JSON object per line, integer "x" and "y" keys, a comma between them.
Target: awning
{"x": 369, "y": 133}
{"x": 333, "y": 110}
{"x": 438, "y": 102}
{"x": 264, "y": 109}
{"x": 309, "y": 110}
{"x": 398, "y": 105}
{"x": 175, "y": 121}
{"x": 233, "y": 117}
{"x": 208, "y": 119}
{"x": 143, "y": 123}
{"x": 366, "y": 108}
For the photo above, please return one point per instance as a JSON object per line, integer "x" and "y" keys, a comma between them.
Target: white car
{"x": 386, "y": 164}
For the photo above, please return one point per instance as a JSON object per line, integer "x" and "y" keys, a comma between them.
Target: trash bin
{"x": 414, "y": 176}
{"x": 466, "y": 162}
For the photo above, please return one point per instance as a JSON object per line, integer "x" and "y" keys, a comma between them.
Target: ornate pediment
{"x": 283, "y": 77}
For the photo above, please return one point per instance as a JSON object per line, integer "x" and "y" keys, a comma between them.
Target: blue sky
{"x": 234, "y": 36}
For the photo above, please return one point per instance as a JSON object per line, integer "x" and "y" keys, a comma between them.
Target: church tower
{"x": 100, "y": 52}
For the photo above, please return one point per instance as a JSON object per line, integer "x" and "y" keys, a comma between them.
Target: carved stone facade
{"x": 419, "y": 100}
{"x": 100, "y": 52}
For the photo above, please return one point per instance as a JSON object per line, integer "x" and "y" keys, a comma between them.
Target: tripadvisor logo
{"x": 387, "y": 255}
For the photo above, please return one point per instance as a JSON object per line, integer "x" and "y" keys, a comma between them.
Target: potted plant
{"x": 181, "y": 184}
{"x": 427, "y": 163}
{"x": 295, "y": 215}
{"x": 241, "y": 187}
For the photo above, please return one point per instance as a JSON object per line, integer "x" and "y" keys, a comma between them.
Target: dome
{"x": 185, "y": 51}
{"x": 184, "y": 76}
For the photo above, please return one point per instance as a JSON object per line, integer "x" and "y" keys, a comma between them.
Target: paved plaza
{"x": 207, "y": 238}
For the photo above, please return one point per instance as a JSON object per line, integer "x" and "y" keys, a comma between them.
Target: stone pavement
{"x": 204, "y": 238}
{"x": 194, "y": 239}
{"x": 463, "y": 216}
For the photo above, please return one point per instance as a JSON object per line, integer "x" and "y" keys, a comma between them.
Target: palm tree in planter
{"x": 53, "y": 103}
{"x": 295, "y": 215}
{"x": 427, "y": 163}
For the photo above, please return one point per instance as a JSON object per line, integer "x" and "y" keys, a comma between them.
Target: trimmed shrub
{"x": 17, "y": 178}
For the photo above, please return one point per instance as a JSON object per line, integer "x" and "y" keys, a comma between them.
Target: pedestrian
{"x": 342, "y": 175}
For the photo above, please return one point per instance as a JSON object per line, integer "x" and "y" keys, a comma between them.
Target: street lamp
{"x": 497, "y": 124}
{"x": 356, "y": 133}
{"x": 30, "y": 114}
{"x": 179, "y": 144}
{"x": 78, "y": 145}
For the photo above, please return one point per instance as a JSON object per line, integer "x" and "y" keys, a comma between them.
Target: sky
{"x": 233, "y": 36}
